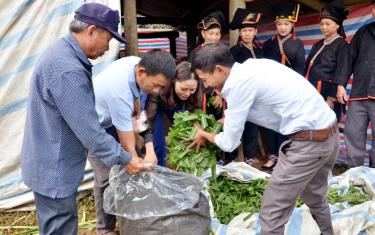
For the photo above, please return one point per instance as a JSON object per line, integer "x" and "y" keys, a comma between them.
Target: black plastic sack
{"x": 193, "y": 221}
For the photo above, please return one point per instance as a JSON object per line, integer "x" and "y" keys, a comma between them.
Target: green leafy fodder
{"x": 180, "y": 136}
{"x": 354, "y": 196}
{"x": 231, "y": 198}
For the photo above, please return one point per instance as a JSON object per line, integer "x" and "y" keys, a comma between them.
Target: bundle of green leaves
{"x": 353, "y": 196}
{"x": 231, "y": 198}
{"x": 180, "y": 136}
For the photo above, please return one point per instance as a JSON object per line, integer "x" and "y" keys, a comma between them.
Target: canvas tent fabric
{"x": 27, "y": 28}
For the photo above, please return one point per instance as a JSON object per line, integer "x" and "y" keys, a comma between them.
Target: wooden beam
{"x": 161, "y": 20}
{"x": 355, "y": 2}
{"x": 130, "y": 27}
{"x": 313, "y": 4}
{"x": 233, "y": 5}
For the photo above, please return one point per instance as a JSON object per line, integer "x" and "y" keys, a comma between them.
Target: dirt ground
{"x": 25, "y": 222}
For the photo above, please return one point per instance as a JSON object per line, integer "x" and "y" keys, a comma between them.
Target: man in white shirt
{"x": 119, "y": 90}
{"x": 271, "y": 95}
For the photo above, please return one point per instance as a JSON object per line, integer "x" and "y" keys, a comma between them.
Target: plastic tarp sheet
{"x": 159, "y": 192}
{"x": 359, "y": 219}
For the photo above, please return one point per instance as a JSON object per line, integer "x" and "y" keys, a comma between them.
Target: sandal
{"x": 269, "y": 168}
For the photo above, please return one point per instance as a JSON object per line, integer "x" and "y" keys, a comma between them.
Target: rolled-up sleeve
{"x": 74, "y": 97}
{"x": 239, "y": 99}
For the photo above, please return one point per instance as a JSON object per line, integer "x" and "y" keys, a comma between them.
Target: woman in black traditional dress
{"x": 287, "y": 49}
{"x": 322, "y": 68}
{"x": 246, "y": 22}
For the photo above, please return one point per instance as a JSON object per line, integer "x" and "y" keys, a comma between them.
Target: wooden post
{"x": 233, "y": 5}
{"x": 172, "y": 46}
{"x": 191, "y": 37}
{"x": 130, "y": 27}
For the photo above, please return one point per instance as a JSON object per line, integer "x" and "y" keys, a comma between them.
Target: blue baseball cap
{"x": 101, "y": 16}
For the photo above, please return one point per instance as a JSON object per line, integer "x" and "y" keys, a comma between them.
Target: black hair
{"x": 210, "y": 55}
{"x": 157, "y": 61}
{"x": 168, "y": 94}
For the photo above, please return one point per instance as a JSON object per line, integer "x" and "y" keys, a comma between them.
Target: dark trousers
{"x": 249, "y": 142}
{"x": 274, "y": 141}
{"x": 159, "y": 139}
{"x": 358, "y": 116}
{"x": 56, "y": 216}
{"x": 104, "y": 222}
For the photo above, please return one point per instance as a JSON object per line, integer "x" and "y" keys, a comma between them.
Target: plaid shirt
{"x": 62, "y": 124}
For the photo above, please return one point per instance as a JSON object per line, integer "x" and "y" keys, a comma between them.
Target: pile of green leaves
{"x": 231, "y": 198}
{"x": 181, "y": 135}
{"x": 354, "y": 196}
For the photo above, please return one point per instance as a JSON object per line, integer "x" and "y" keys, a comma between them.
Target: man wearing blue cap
{"x": 62, "y": 124}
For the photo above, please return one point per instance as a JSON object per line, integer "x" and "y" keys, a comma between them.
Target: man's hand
{"x": 199, "y": 139}
{"x": 218, "y": 102}
{"x": 330, "y": 104}
{"x": 136, "y": 165}
{"x": 342, "y": 97}
{"x": 221, "y": 120}
{"x": 151, "y": 158}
